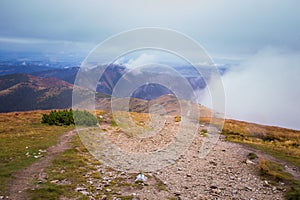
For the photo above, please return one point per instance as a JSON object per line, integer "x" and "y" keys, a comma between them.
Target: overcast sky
{"x": 224, "y": 28}
{"x": 262, "y": 35}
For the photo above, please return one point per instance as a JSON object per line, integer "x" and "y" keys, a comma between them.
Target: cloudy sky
{"x": 224, "y": 28}
{"x": 263, "y": 35}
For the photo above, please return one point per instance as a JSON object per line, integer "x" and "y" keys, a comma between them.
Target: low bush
{"x": 69, "y": 117}
{"x": 84, "y": 118}
{"x": 59, "y": 118}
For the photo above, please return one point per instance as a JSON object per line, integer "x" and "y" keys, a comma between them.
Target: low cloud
{"x": 265, "y": 89}
{"x": 143, "y": 59}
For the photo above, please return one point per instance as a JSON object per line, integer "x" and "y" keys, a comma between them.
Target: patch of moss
{"x": 252, "y": 156}
{"x": 275, "y": 173}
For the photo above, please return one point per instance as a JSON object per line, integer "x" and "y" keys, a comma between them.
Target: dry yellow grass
{"x": 280, "y": 142}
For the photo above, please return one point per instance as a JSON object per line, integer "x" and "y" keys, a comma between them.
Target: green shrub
{"x": 59, "y": 118}
{"x": 68, "y": 117}
{"x": 84, "y": 118}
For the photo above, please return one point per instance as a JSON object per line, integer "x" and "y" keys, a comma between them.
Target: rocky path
{"x": 222, "y": 174}
{"x": 225, "y": 173}
{"x": 24, "y": 178}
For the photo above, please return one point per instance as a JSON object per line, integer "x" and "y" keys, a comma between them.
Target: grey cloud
{"x": 226, "y": 26}
{"x": 265, "y": 89}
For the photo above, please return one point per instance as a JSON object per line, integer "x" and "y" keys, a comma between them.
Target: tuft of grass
{"x": 252, "y": 156}
{"x": 172, "y": 198}
{"x": 130, "y": 197}
{"x": 113, "y": 122}
{"x": 161, "y": 187}
{"x": 51, "y": 191}
{"x": 204, "y": 132}
{"x": 177, "y": 118}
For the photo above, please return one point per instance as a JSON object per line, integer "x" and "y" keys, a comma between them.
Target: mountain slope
{"x": 21, "y": 92}
{"x": 115, "y": 73}
{"x": 66, "y": 74}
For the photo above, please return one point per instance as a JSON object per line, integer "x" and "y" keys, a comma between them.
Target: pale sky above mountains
{"x": 225, "y": 28}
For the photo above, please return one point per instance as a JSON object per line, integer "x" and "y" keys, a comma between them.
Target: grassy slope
{"x": 20, "y": 134}
{"x": 279, "y": 142}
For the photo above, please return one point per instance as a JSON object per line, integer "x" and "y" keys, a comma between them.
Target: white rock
{"x": 234, "y": 191}
{"x": 84, "y": 192}
{"x": 80, "y": 189}
{"x": 248, "y": 188}
{"x": 123, "y": 173}
{"x": 249, "y": 161}
{"x": 141, "y": 177}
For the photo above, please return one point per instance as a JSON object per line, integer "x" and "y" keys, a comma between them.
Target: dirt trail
{"x": 291, "y": 169}
{"x": 23, "y": 179}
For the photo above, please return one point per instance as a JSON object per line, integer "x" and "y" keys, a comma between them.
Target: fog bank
{"x": 264, "y": 89}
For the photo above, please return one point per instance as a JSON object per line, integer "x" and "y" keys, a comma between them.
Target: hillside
{"x": 65, "y": 74}
{"x": 114, "y": 73}
{"x": 21, "y": 92}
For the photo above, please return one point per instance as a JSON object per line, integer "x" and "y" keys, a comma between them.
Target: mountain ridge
{"x": 22, "y": 92}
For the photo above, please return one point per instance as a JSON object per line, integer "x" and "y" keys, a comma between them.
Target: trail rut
{"x": 23, "y": 178}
